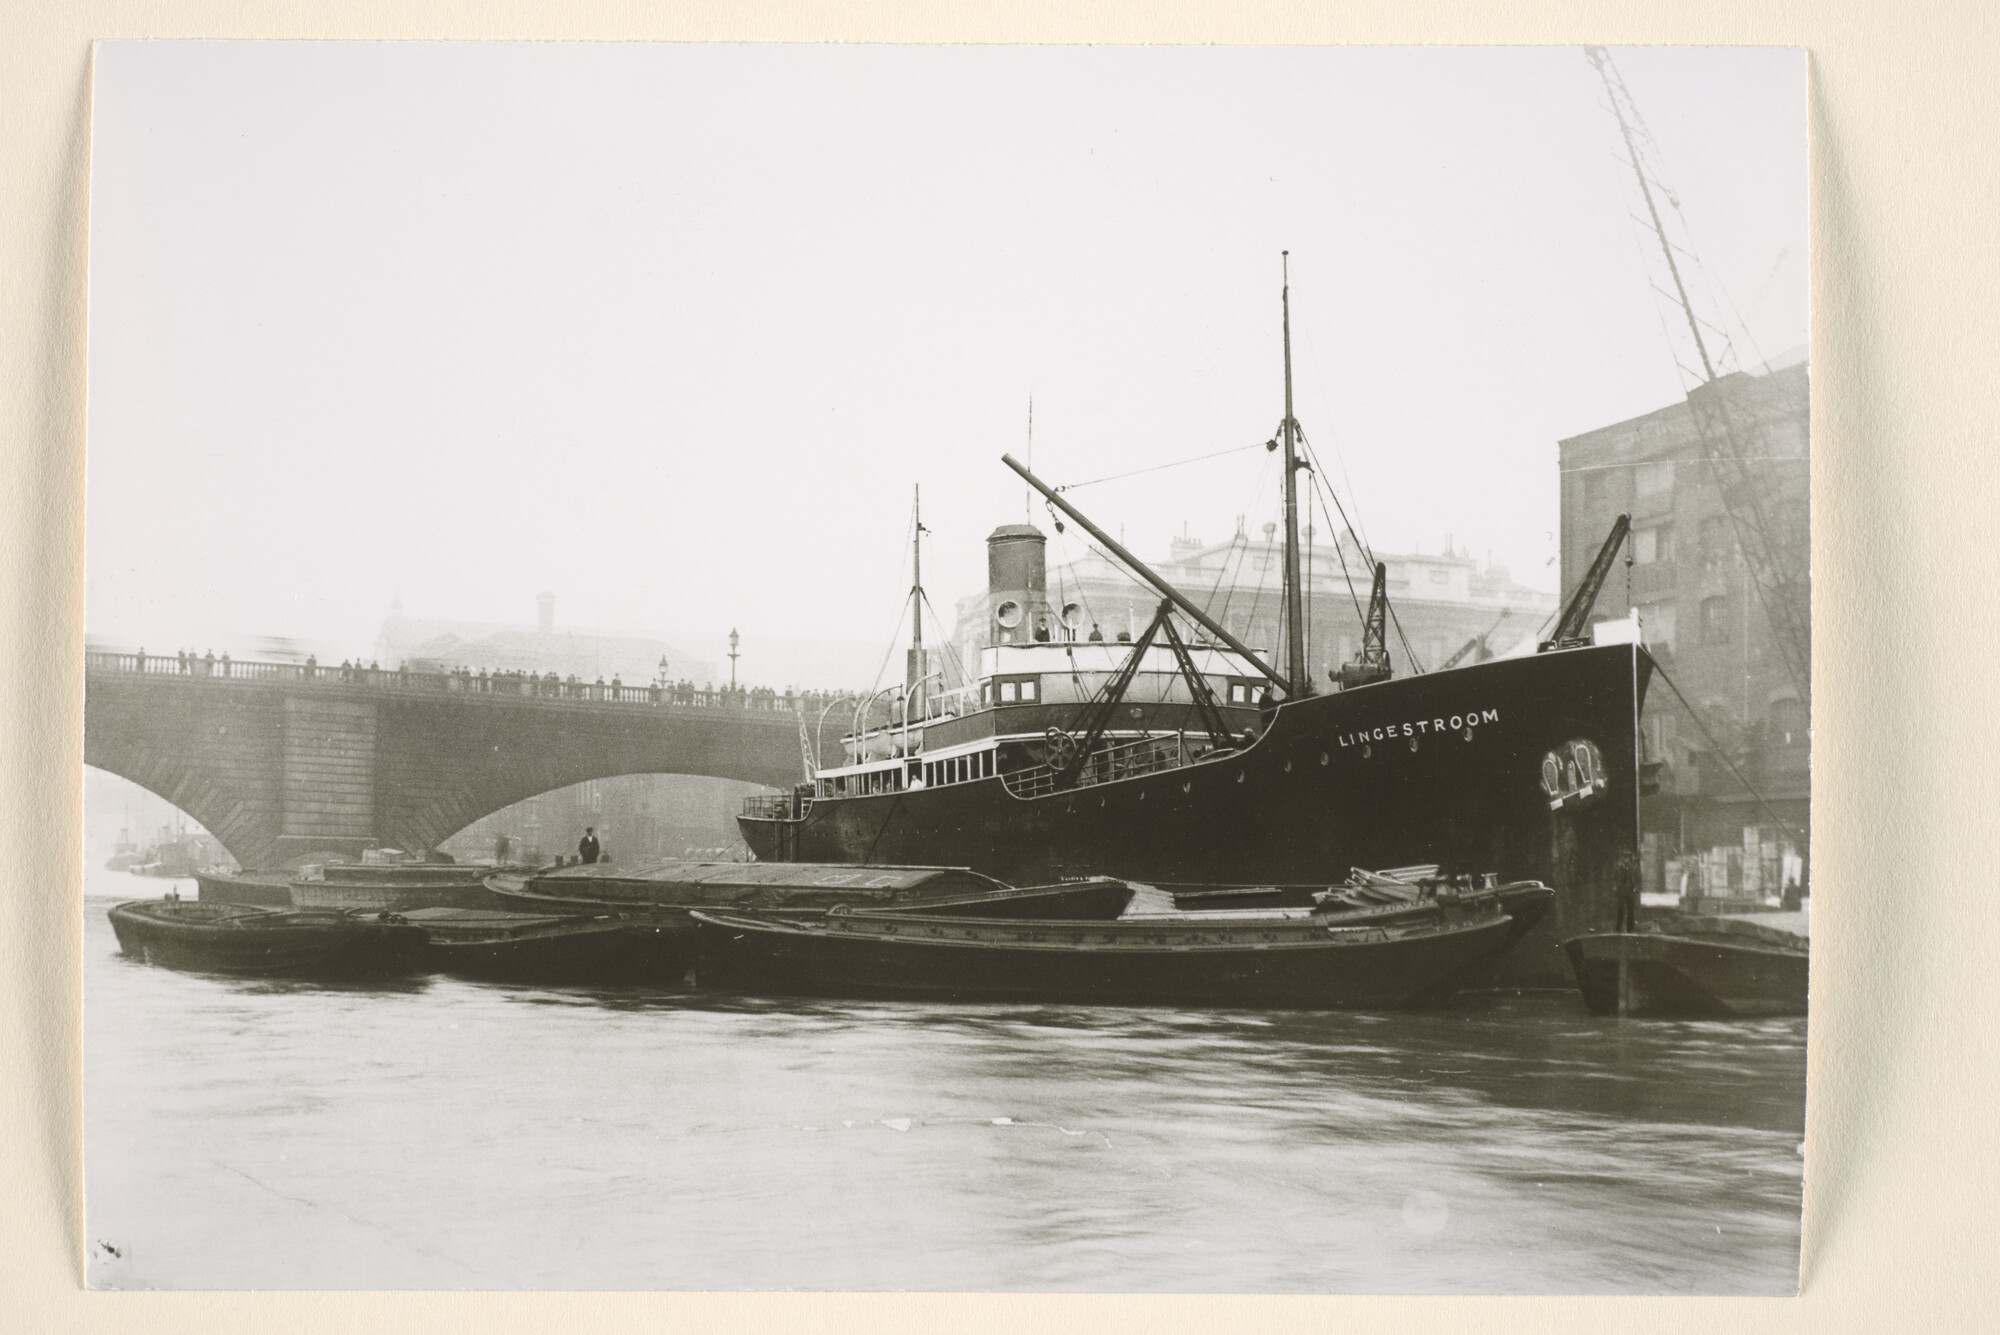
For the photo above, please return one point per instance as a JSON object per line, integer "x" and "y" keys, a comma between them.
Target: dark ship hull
{"x": 1476, "y": 769}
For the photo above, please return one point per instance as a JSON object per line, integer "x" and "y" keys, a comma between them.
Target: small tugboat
{"x": 554, "y": 948}
{"x": 240, "y": 939}
{"x": 1692, "y": 968}
{"x": 676, "y": 887}
{"x": 1315, "y": 961}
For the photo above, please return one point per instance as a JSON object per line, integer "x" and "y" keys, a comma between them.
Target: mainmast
{"x": 914, "y": 674}
{"x": 1295, "y": 633}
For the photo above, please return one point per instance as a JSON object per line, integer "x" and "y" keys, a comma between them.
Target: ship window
{"x": 1239, "y": 693}
{"x": 1017, "y": 690}
{"x": 985, "y": 692}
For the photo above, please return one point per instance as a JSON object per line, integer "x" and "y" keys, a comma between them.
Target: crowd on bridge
{"x": 482, "y": 681}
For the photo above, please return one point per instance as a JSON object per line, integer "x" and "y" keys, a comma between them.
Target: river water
{"x": 449, "y": 1134}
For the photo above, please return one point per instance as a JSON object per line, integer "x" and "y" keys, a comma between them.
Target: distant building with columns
{"x": 541, "y": 648}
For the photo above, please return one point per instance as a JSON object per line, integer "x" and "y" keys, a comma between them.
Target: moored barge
{"x": 1693, "y": 967}
{"x": 242, "y": 939}
{"x": 675, "y": 887}
{"x": 1316, "y": 962}
{"x": 553, "y": 948}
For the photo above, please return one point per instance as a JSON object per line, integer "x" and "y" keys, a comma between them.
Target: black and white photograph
{"x": 1022, "y": 669}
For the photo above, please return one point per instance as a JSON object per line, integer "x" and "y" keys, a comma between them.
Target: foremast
{"x": 1295, "y": 632}
{"x": 914, "y": 673}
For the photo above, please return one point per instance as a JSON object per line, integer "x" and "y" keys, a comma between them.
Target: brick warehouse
{"x": 1709, "y": 622}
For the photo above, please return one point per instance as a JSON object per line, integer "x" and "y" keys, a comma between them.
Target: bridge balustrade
{"x": 401, "y": 679}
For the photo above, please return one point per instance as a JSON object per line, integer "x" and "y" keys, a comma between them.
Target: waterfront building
{"x": 1730, "y": 624}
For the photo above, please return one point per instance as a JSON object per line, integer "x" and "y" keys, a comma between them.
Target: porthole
{"x": 1468, "y": 732}
{"x": 1288, "y": 767}
{"x": 1367, "y": 751}
{"x": 1413, "y": 743}
{"x": 1187, "y": 785}
{"x": 1239, "y": 776}
{"x": 1324, "y": 758}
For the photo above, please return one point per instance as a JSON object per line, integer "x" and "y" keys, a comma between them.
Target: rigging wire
{"x": 1319, "y": 377}
{"x": 1408, "y": 648}
{"x": 902, "y": 605}
{"x": 1237, "y": 553}
{"x": 1723, "y": 756}
{"x": 1154, "y": 468}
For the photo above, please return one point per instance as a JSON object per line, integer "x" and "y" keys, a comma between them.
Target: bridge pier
{"x": 328, "y": 780}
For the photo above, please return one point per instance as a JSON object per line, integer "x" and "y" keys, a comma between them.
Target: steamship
{"x": 1192, "y": 761}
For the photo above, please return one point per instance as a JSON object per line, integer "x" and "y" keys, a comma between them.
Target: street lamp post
{"x": 734, "y": 639}
{"x": 663, "y": 670}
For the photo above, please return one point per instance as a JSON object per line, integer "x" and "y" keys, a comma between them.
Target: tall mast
{"x": 1295, "y": 635}
{"x": 914, "y": 673}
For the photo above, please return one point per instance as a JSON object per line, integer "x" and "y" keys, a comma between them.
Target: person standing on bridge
{"x": 588, "y": 848}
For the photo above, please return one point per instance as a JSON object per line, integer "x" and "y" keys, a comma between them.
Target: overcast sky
{"x": 673, "y": 330}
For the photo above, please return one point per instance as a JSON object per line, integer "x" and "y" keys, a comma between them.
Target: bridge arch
{"x": 280, "y": 763}
{"x": 638, "y": 817}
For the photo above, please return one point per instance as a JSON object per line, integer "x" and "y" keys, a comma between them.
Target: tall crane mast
{"x": 1773, "y": 538}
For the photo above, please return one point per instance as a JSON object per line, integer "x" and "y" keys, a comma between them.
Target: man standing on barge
{"x": 587, "y": 849}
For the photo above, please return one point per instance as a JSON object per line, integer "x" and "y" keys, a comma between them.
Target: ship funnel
{"x": 1017, "y": 583}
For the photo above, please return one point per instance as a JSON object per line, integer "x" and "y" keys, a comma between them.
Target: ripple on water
{"x": 446, "y": 1133}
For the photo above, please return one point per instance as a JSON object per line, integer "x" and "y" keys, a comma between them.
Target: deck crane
{"x": 1372, "y": 663}
{"x": 1476, "y": 641}
{"x": 1773, "y": 538}
{"x": 1573, "y": 626}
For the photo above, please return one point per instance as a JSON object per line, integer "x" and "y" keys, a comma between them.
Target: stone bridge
{"x": 282, "y": 760}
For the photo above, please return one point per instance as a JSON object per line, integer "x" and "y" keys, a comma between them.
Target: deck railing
{"x": 1118, "y": 760}
{"x": 776, "y": 806}
{"x": 543, "y": 687}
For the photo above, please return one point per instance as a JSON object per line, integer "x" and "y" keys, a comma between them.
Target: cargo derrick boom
{"x": 1775, "y": 547}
